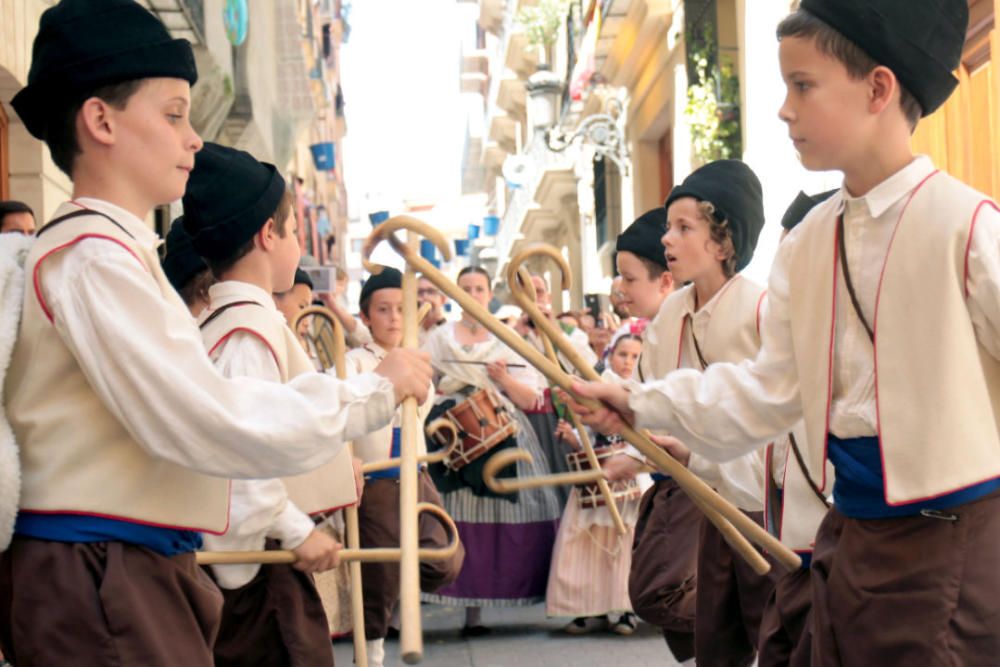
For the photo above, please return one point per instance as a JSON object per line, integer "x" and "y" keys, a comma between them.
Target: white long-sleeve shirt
{"x": 258, "y": 508}
{"x": 731, "y": 409}
{"x": 144, "y": 357}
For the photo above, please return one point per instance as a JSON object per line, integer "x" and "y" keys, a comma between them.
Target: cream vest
{"x": 377, "y": 446}
{"x": 76, "y": 457}
{"x": 732, "y": 334}
{"x": 800, "y": 513}
{"x": 329, "y": 487}
{"x": 937, "y": 389}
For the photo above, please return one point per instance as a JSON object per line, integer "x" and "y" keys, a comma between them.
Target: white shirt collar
{"x": 706, "y": 311}
{"x": 887, "y": 193}
{"x": 239, "y": 290}
{"x": 132, "y": 224}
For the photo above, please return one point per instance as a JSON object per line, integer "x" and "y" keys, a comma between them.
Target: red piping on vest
{"x": 968, "y": 243}
{"x": 38, "y": 265}
{"x": 253, "y": 333}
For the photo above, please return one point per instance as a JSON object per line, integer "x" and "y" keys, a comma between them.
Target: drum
{"x": 483, "y": 423}
{"x": 589, "y": 496}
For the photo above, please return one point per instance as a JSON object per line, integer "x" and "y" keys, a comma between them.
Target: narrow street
{"x": 525, "y": 638}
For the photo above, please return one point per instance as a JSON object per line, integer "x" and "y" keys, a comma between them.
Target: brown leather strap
{"x": 689, "y": 322}
{"x": 224, "y": 309}
{"x": 805, "y": 472}
{"x": 76, "y": 214}
{"x": 847, "y": 278}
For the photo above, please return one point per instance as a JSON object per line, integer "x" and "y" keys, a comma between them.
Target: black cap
{"x": 83, "y": 45}
{"x": 302, "y": 278}
{"x": 229, "y": 197}
{"x": 735, "y": 192}
{"x": 642, "y": 237}
{"x": 389, "y": 278}
{"x": 919, "y": 40}
{"x": 181, "y": 263}
{"x": 802, "y": 204}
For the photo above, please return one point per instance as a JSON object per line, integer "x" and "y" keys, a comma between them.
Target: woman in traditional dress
{"x": 508, "y": 540}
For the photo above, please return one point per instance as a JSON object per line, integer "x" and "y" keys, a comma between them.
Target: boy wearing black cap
{"x": 897, "y": 378}
{"x": 713, "y": 220}
{"x": 185, "y": 269}
{"x": 124, "y": 458}
{"x": 794, "y": 508}
{"x": 272, "y": 615}
{"x": 381, "y": 306}
{"x": 662, "y": 576}
{"x": 294, "y": 301}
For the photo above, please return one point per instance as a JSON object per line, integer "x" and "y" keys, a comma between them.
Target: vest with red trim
{"x": 329, "y": 487}
{"x": 76, "y": 456}
{"x": 732, "y": 334}
{"x": 795, "y": 518}
{"x": 937, "y": 390}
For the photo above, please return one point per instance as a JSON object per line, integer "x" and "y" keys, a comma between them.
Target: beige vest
{"x": 329, "y": 487}
{"x": 377, "y": 446}
{"x": 937, "y": 389}
{"x": 801, "y": 512}
{"x": 732, "y": 334}
{"x": 76, "y": 457}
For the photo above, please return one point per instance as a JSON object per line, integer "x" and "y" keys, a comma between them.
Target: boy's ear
{"x": 96, "y": 122}
{"x": 882, "y": 86}
{"x": 267, "y": 235}
{"x": 666, "y": 282}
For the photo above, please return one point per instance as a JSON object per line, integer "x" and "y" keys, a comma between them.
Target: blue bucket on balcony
{"x": 378, "y": 216}
{"x": 473, "y": 231}
{"x": 428, "y": 250}
{"x": 323, "y": 156}
{"x": 491, "y": 225}
{"x": 462, "y": 247}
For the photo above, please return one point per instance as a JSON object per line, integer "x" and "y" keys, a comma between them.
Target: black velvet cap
{"x": 181, "y": 263}
{"x": 801, "y": 206}
{"x": 919, "y": 40}
{"x": 389, "y": 278}
{"x": 302, "y": 278}
{"x": 642, "y": 237}
{"x": 83, "y": 45}
{"x": 229, "y": 197}
{"x": 735, "y": 192}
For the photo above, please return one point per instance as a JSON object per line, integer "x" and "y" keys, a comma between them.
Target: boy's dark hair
{"x": 197, "y": 287}
{"x": 722, "y": 234}
{"x": 628, "y": 336}
{"x": 832, "y": 43}
{"x": 653, "y": 269}
{"x": 475, "y": 269}
{"x": 61, "y": 137}
{"x": 13, "y": 206}
{"x": 280, "y": 216}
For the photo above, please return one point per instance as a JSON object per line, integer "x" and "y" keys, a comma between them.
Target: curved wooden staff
{"x": 692, "y": 485}
{"x": 353, "y": 556}
{"x": 521, "y": 287}
{"x": 410, "y": 636}
{"x": 332, "y": 353}
{"x": 552, "y": 334}
{"x": 433, "y": 429}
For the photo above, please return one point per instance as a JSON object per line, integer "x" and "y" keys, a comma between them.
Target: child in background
{"x": 591, "y": 560}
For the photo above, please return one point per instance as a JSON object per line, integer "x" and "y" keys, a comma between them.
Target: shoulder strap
{"x": 82, "y": 212}
{"x": 689, "y": 321}
{"x": 805, "y": 472}
{"x": 226, "y": 307}
{"x": 847, "y": 278}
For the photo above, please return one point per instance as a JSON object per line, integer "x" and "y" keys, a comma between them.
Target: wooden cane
{"x": 433, "y": 430}
{"x": 519, "y": 282}
{"x": 411, "y": 636}
{"x": 690, "y": 483}
{"x": 728, "y": 531}
{"x": 354, "y": 556}
{"x": 351, "y": 524}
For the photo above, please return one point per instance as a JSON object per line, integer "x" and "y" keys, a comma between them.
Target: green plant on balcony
{"x": 713, "y": 111}
{"x": 542, "y": 22}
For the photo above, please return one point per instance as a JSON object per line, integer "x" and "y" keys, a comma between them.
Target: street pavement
{"x": 523, "y": 637}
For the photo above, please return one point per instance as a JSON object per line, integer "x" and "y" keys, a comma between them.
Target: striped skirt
{"x": 590, "y": 564}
